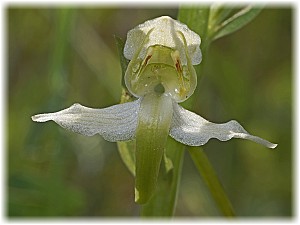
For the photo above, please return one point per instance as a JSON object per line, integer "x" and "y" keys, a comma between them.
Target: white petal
{"x": 115, "y": 123}
{"x": 165, "y": 33}
{"x": 191, "y": 129}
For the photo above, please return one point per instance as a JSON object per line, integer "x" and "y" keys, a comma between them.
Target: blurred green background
{"x": 59, "y": 56}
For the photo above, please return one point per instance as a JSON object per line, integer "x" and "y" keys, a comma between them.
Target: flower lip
{"x": 164, "y": 31}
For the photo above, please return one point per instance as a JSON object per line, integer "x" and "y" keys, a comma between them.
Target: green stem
{"x": 211, "y": 180}
{"x": 191, "y": 16}
{"x": 164, "y": 200}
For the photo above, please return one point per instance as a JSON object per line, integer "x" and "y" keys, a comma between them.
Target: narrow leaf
{"x": 218, "y": 13}
{"x": 236, "y": 22}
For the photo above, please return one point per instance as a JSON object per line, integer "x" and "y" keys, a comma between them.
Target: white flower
{"x": 119, "y": 123}
{"x": 167, "y": 40}
{"x": 160, "y": 75}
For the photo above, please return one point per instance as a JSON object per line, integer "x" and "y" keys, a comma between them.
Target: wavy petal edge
{"x": 191, "y": 129}
{"x": 114, "y": 123}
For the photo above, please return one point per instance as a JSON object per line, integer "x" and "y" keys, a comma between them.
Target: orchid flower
{"x": 160, "y": 75}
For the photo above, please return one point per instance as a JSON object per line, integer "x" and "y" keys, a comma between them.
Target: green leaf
{"x": 210, "y": 178}
{"x": 218, "y": 13}
{"x": 235, "y": 22}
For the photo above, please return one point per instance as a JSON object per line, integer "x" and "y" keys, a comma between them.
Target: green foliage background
{"x": 59, "y": 56}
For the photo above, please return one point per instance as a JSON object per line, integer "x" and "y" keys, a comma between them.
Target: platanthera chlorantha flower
{"x": 160, "y": 75}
